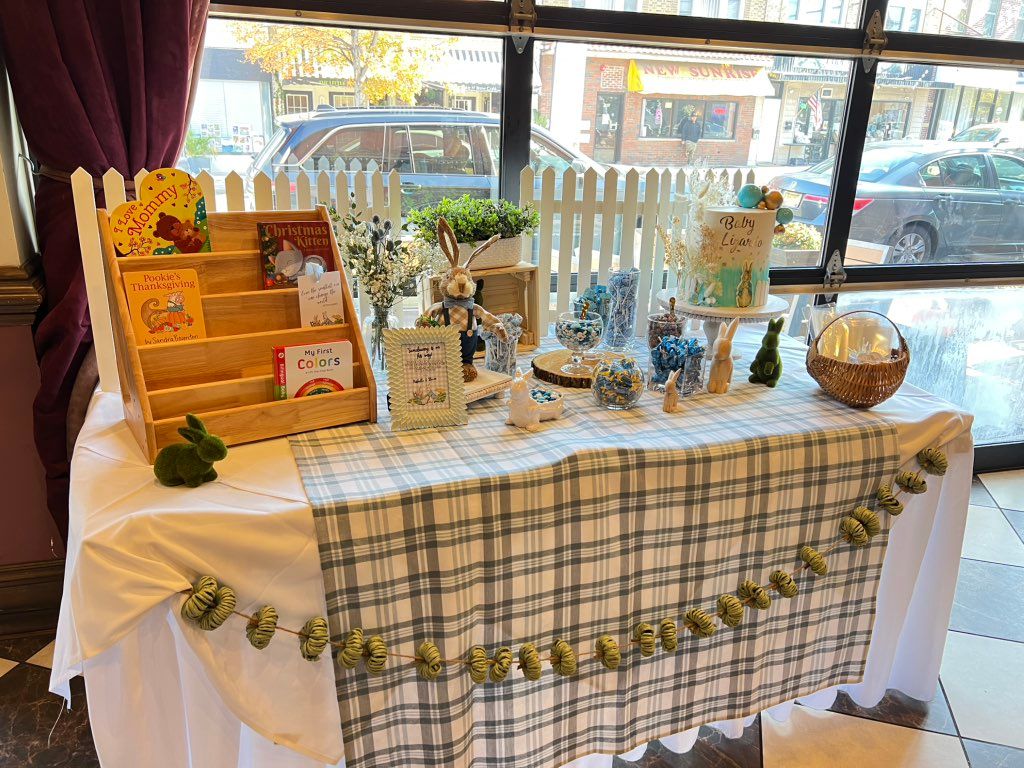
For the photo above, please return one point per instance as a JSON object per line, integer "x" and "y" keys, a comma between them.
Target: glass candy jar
{"x": 501, "y": 355}
{"x": 578, "y": 332}
{"x": 618, "y": 383}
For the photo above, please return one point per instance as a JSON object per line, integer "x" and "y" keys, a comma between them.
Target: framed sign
{"x": 425, "y": 377}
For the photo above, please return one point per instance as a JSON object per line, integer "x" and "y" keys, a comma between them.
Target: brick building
{"x": 628, "y": 103}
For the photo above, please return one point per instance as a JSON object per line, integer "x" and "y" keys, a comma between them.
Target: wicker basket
{"x": 505, "y": 252}
{"x": 859, "y": 385}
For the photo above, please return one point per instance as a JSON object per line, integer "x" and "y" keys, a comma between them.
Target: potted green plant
{"x": 798, "y": 246}
{"x": 474, "y": 220}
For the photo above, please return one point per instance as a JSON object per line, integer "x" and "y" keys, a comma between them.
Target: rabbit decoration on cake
{"x": 670, "y": 403}
{"x": 744, "y": 295}
{"x": 720, "y": 376}
{"x": 457, "y": 307}
{"x": 190, "y": 463}
{"x": 767, "y": 366}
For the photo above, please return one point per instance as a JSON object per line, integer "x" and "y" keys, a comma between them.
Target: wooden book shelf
{"x": 227, "y": 378}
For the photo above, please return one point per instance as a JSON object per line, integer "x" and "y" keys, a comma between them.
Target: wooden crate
{"x": 507, "y": 289}
{"x": 227, "y": 378}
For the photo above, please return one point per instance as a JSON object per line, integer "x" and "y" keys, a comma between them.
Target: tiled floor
{"x": 975, "y": 718}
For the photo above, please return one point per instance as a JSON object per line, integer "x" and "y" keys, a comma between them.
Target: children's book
{"x": 165, "y": 305}
{"x": 301, "y": 370}
{"x": 168, "y": 217}
{"x": 293, "y": 248}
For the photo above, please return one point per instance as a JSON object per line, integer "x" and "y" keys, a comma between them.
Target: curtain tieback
{"x": 55, "y": 174}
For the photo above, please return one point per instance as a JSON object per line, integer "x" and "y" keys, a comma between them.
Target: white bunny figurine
{"x": 671, "y": 402}
{"x": 523, "y": 410}
{"x": 721, "y": 366}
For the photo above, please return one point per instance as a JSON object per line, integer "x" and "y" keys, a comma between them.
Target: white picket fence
{"x": 582, "y": 214}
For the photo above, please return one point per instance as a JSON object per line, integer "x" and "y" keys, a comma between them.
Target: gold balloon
{"x": 773, "y": 199}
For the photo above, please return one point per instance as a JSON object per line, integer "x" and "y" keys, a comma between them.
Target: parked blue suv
{"x": 438, "y": 152}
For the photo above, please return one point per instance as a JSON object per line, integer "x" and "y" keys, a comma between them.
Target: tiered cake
{"x": 729, "y": 247}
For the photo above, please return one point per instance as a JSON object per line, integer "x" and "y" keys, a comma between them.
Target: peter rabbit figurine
{"x": 720, "y": 375}
{"x": 670, "y": 403}
{"x": 767, "y": 366}
{"x": 744, "y": 294}
{"x": 457, "y": 307}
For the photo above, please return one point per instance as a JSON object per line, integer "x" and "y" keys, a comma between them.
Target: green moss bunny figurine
{"x": 767, "y": 366}
{"x": 190, "y": 463}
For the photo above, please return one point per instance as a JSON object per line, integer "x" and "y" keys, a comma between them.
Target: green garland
{"x": 209, "y": 604}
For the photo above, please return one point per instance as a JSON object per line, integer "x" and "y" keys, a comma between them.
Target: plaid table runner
{"x": 490, "y": 535}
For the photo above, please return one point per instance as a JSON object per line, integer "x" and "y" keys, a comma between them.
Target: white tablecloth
{"x": 164, "y": 694}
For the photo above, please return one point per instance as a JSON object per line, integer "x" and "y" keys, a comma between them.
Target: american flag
{"x": 814, "y": 104}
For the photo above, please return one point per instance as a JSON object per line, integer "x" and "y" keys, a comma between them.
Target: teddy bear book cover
{"x": 165, "y": 306}
{"x": 168, "y": 217}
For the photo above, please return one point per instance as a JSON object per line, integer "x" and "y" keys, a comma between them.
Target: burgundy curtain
{"x": 99, "y": 84}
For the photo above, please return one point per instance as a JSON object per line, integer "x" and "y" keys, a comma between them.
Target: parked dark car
{"x": 929, "y": 201}
{"x": 438, "y": 152}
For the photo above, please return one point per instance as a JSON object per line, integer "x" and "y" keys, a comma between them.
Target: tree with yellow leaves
{"x": 379, "y": 64}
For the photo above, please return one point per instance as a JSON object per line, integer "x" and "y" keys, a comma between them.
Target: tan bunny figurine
{"x": 670, "y": 403}
{"x": 721, "y": 366}
{"x": 457, "y": 307}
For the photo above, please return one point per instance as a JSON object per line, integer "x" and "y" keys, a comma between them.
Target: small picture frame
{"x": 425, "y": 377}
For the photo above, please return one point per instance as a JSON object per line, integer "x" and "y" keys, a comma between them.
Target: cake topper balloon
{"x": 753, "y": 196}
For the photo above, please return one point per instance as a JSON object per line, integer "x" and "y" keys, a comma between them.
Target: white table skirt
{"x": 164, "y": 694}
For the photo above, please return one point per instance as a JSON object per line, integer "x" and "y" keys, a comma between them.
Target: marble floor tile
{"x": 990, "y": 537}
{"x": 983, "y": 679}
{"x": 22, "y": 648}
{"x": 980, "y": 495}
{"x": 1016, "y": 518}
{"x": 6, "y": 665}
{"x": 28, "y": 712}
{"x": 983, "y": 755}
{"x": 813, "y": 739}
{"x": 989, "y": 600}
{"x": 1007, "y": 488}
{"x": 44, "y": 658}
{"x": 899, "y": 709}
{"x": 712, "y": 750}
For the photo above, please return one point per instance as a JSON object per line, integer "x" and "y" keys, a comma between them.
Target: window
{"x": 1009, "y": 172}
{"x": 468, "y": 104}
{"x": 398, "y": 150}
{"x": 961, "y": 171}
{"x": 715, "y": 9}
{"x": 346, "y": 146}
{"x": 688, "y": 120}
{"x": 342, "y": 100}
{"x": 442, "y": 149}
{"x": 719, "y": 120}
{"x": 295, "y": 103}
{"x": 888, "y": 120}
{"x": 836, "y": 13}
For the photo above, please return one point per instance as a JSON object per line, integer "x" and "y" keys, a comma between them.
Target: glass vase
{"x": 379, "y": 320}
{"x": 623, "y": 286}
{"x": 501, "y": 355}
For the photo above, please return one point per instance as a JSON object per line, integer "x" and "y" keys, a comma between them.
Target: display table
{"x": 164, "y": 694}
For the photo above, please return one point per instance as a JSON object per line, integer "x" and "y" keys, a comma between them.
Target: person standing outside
{"x": 690, "y": 129}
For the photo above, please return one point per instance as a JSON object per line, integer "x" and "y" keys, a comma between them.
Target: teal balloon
{"x": 750, "y": 195}
{"x": 784, "y": 215}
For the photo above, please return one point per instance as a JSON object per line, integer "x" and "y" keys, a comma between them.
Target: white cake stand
{"x": 711, "y": 317}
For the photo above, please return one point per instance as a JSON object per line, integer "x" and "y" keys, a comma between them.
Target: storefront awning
{"x": 975, "y": 77}
{"x": 697, "y": 78}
